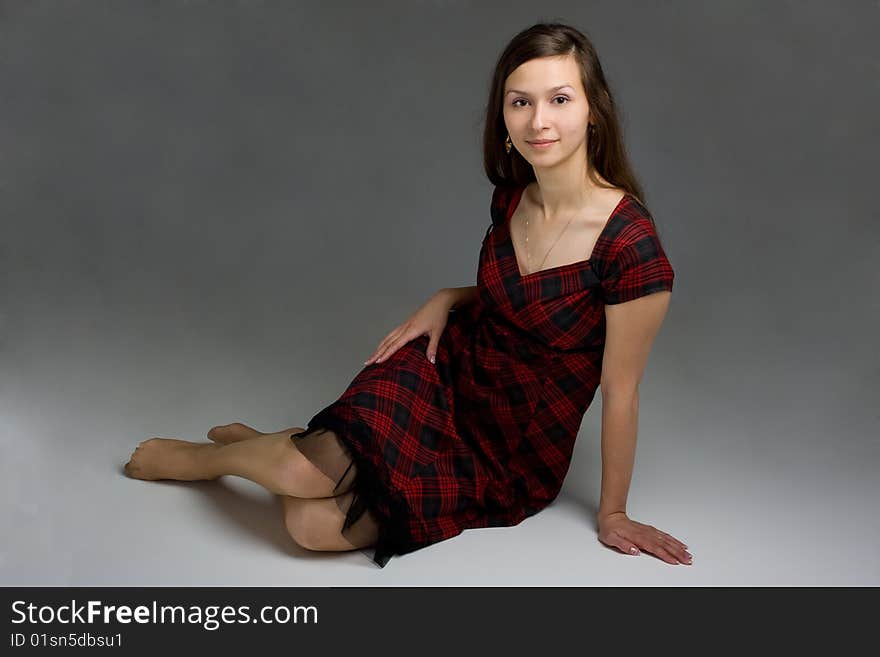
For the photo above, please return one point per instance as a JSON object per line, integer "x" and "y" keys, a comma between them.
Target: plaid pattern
{"x": 484, "y": 438}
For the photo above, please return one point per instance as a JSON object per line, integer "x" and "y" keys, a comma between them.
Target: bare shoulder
{"x": 612, "y": 196}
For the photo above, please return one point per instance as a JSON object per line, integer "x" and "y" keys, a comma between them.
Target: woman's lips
{"x": 542, "y": 144}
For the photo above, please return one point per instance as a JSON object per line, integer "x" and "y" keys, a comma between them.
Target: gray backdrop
{"x": 213, "y": 212}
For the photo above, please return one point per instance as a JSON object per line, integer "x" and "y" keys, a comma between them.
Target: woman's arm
{"x": 630, "y": 329}
{"x": 460, "y": 296}
{"x": 620, "y": 417}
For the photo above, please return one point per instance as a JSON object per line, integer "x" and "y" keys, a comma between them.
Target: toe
{"x": 220, "y": 433}
{"x": 244, "y": 429}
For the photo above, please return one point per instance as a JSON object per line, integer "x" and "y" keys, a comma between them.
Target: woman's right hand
{"x": 428, "y": 320}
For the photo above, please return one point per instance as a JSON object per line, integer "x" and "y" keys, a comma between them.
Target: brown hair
{"x": 605, "y": 150}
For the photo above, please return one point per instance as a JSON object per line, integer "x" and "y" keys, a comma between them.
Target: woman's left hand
{"x": 629, "y": 536}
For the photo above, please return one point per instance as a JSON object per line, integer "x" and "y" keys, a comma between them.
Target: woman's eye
{"x": 525, "y": 101}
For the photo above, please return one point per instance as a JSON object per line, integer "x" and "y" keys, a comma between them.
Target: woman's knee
{"x": 314, "y": 524}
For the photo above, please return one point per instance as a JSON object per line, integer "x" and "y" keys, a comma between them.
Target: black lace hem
{"x": 372, "y": 490}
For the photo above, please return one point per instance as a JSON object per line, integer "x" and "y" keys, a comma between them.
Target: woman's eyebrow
{"x": 561, "y": 86}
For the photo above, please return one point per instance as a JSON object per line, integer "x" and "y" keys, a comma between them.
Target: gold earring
{"x": 508, "y": 145}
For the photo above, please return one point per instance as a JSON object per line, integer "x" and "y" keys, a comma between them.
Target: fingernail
{"x": 633, "y": 550}
{"x": 431, "y": 358}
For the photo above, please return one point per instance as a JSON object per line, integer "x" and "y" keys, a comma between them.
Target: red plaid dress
{"x": 484, "y": 438}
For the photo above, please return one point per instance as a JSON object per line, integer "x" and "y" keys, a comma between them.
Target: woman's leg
{"x": 316, "y": 524}
{"x": 314, "y": 512}
{"x": 319, "y": 524}
{"x": 271, "y": 460}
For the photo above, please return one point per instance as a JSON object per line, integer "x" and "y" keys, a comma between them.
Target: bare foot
{"x": 169, "y": 458}
{"x": 232, "y": 433}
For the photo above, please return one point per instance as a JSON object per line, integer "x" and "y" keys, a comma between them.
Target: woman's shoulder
{"x": 633, "y": 222}
{"x": 631, "y": 237}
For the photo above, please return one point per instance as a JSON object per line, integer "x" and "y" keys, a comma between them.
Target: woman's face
{"x": 535, "y": 109}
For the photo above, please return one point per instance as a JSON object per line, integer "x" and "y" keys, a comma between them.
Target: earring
{"x": 508, "y": 145}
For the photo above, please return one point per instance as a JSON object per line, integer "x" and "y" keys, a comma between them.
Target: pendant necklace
{"x": 528, "y": 254}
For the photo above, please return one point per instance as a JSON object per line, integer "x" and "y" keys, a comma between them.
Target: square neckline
{"x": 508, "y": 213}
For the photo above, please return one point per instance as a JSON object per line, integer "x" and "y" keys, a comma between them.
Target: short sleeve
{"x": 639, "y": 268}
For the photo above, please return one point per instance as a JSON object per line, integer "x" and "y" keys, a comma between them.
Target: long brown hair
{"x": 605, "y": 150}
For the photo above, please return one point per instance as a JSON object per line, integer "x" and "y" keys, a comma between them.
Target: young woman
{"x": 467, "y": 413}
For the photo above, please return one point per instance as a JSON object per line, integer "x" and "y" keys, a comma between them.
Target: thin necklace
{"x": 528, "y": 254}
